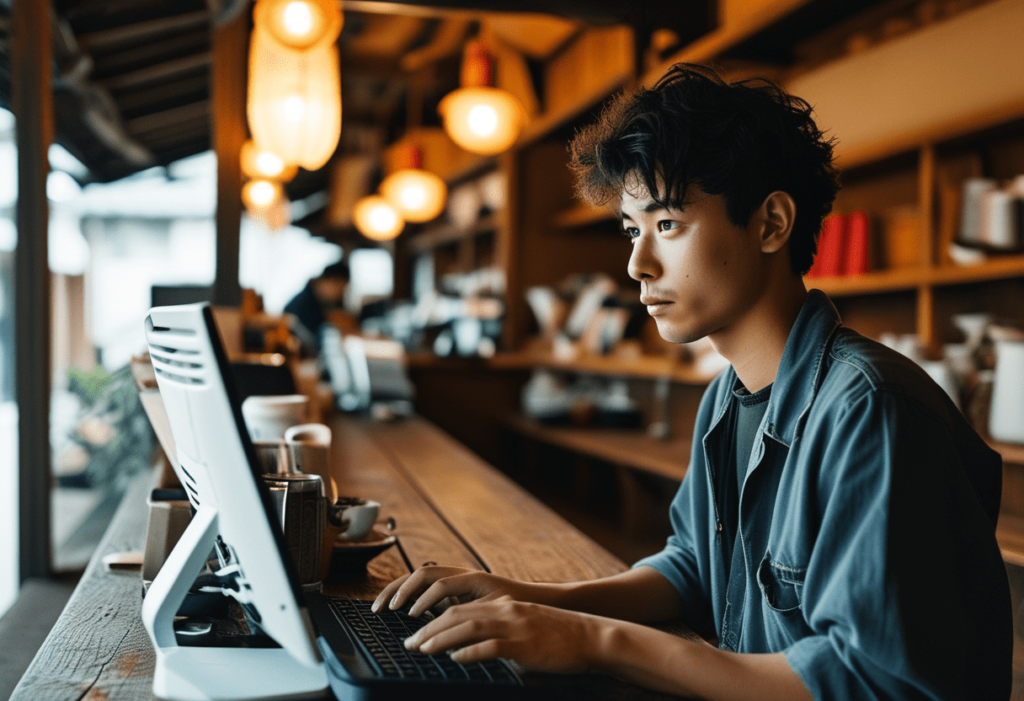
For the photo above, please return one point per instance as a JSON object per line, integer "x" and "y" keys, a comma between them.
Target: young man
{"x": 835, "y": 529}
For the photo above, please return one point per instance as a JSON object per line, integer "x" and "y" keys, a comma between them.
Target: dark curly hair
{"x": 743, "y": 140}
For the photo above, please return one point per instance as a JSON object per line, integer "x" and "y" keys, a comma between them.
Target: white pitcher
{"x": 1006, "y": 417}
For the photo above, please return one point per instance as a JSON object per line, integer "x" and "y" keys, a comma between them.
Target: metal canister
{"x": 303, "y": 511}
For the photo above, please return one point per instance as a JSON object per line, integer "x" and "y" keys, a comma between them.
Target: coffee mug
{"x": 354, "y": 517}
{"x": 273, "y": 457}
{"x": 309, "y": 447}
{"x": 267, "y": 417}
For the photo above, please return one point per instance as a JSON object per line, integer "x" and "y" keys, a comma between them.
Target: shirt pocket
{"x": 781, "y": 585}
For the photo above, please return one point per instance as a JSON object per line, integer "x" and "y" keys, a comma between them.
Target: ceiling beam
{"x": 150, "y": 52}
{"x": 159, "y": 71}
{"x": 175, "y": 92}
{"x": 134, "y": 33}
{"x": 694, "y": 14}
{"x": 168, "y": 119}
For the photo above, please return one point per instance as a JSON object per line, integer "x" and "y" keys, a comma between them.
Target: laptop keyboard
{"x": 380, "y": 637}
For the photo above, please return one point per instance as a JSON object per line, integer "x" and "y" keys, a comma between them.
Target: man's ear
{"x": 775, "y": 218}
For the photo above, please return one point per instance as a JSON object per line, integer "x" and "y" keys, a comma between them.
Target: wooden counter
{"x": 449, "y": 507}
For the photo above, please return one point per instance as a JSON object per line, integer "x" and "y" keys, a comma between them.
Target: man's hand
{"x": 538, "y": 637}
{"x": 442, "y": 586}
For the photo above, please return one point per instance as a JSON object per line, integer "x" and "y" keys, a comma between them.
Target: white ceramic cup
{"x": 309, "y": 447}
{"x": 357, "y": 518}
{"x": 267, "y": 417}
{"x": 273, "y": 457}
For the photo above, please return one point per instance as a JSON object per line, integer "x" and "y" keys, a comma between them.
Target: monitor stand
{"x": 208, "y": 673}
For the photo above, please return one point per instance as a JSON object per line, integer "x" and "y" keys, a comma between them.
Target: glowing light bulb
{"x": 376, "y": 219}
{"x": 262, "y": 193}
{"x": 383, "y": 218}
{"x": 414, "y": 197}
{"x": 259, "y": 194}
{"x": 259, "y": 163}
{"x": 482, "y": 120}
{"x": 300, "y": 24}
{"x": 294, "y": 109}
{"x": 417, "y": 194}
{"x": 269, "y": 164}
{"x": 298, "y": 18}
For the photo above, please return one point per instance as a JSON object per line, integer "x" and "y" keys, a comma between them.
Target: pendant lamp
{"x": 300, "y": 24}
{"x": 478, "y": 117}
{"x": 376, "y": 219}
{"x": 294, "y": 102}
{"x": 417, "y": 194}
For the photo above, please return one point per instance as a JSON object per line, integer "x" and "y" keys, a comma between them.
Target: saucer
{"x": 356, "y": 553}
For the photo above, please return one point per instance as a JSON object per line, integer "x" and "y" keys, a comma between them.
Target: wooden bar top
{"x": 448, "y": 506}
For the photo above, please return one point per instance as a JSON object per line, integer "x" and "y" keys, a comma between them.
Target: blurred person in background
{"x": 321, "y": 301}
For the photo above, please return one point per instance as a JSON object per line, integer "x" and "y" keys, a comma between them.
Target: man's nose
{"x": 642, "y": 262}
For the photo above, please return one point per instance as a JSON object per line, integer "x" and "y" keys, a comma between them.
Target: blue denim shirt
{"x": 866, "y": 522}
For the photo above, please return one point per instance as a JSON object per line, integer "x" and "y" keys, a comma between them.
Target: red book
{"x": 858, "y": 252}
{"x": 831, "y": 244}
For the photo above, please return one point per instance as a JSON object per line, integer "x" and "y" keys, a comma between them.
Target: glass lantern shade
{"x": 299, "y": 24}
{"x": 482, "y": 119}
{"x": 294, "y": 104}
{"x": 417, "y": 194}
{"x": 376, "y": 219}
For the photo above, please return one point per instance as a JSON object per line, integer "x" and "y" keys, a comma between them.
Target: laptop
{"x": 307, "y": 643}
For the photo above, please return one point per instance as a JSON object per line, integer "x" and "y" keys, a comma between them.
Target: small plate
{"x": 356, "y": 553}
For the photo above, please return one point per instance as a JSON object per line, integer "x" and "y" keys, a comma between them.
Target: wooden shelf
{"x": 1010, "y": 535}
{"x": 1012, "y": 453}
{"x": 644, "y": 367}
{"x": 871, "y": 283}
{"x": 583, "y": 215}
{"x": 448, "y": 233}
{"x": 630, "y": 448}
{"x": 995, "y": 268}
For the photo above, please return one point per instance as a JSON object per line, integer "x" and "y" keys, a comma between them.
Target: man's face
{"x": 330, "y": 290}
{"x": 698, "y": 272}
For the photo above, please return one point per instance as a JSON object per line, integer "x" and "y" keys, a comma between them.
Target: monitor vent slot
{"x": 172, "y": 350}
{"x": 174, "y": 362}
{"x": 181, "y": 379}
{"x": 190, "y": 486}
{"x": 173, "y": 330}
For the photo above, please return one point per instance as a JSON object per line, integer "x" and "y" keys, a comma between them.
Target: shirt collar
{"x": 801, "y": 367}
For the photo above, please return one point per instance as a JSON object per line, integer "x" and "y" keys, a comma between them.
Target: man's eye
{"x": 666, "y": 225}
{"x": 631, "y": 232}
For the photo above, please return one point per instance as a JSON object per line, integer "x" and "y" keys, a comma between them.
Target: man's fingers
{"x": 437, "y": 592}
{"x": 387, "y": 593}
{"x": 441, "y": 638}
{"x": 478, "y": 652}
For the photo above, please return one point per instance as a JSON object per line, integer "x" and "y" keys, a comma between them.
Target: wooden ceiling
{"x": 132, "y": 77}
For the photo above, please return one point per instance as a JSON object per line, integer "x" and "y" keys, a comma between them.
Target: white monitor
{"x": 235, "y": 518}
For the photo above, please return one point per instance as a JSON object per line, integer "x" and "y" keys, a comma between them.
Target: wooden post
{"x": 32, "y": 99}
{"x": 929, "y": 258}
{"x": 508, "y": 247}
{"x": 228, "y": 80}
